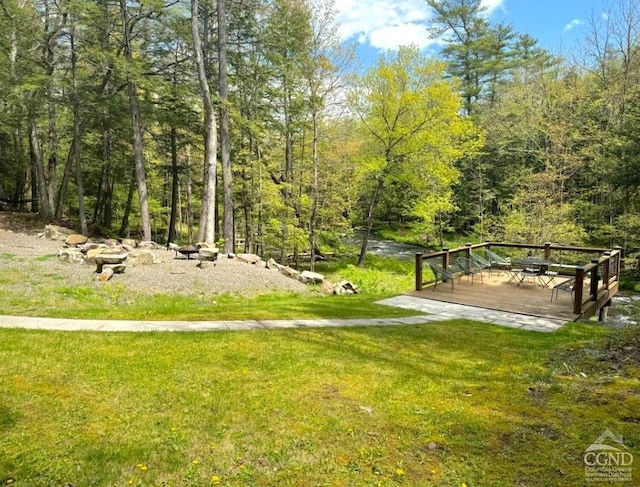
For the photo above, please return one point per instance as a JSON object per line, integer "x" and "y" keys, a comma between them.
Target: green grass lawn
{"x": 445, "y": 404}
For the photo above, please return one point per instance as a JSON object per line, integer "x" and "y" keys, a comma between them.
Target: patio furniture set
{"x": 520, "y": 271}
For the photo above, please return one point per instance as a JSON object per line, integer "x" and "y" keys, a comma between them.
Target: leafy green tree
{"x": 539, "y": 215}
{"x": 288, "y": 36}
{"x": 410, "y": 116}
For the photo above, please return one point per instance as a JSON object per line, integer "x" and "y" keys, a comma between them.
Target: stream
{"x": 387, "y": 248}
{"x": 625, "y": 310}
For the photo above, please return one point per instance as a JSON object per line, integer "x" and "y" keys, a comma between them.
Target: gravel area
{"x": 22, "y": 247}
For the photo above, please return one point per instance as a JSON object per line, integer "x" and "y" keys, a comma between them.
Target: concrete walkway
{"x": 448, "y": 311}
{"x": 438, "y": 312}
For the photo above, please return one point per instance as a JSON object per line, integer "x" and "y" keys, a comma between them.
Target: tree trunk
{"x": 369, "y": 222}
{"x": 225, "y": 149}
{"x": 38, "y": 164}
{"x": 206, "y": 230}
{"x": 48, "y": 56}
{"x": 76, "y": 133}
{"x": 314, "y": 192}
{"x": 62, "y": 191}
{"x": 189, "y": 195}
{"x": 134, "y": 109}
{"x": 106, "y": 274}
{"x": 171, "y": 236}
{"x": 124, "y": 227}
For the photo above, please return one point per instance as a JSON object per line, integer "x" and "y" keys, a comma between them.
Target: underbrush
{"x": 380, "y": 276}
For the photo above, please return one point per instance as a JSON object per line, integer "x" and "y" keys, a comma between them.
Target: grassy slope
{"x": 445, "y": 404}
{"x": 30, "y": 291}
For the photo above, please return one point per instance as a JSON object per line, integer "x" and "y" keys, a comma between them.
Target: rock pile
{"x": 109, "y": 255}
{"x": 112, "y": 256}
{"x": 306, "y": 277}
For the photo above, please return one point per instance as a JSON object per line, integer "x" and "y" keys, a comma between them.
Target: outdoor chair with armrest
{"x": 469, "y": 268}
{"x": 441, "y": 274}
{"x": 567, "y": 285}
{"x": 480, "y": 261}
{"x": 497, "y": 261}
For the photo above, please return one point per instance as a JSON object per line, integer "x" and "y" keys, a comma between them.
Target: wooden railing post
{"x": 468, "y": 250}
{"x": 578, "y": 288}
{"x": 419, "y": 272}
{"x": 547, "y": 251}
{"x": 445, "y": 257}
{"x": 606, "y": 270}
{"x": 593, "y": 291}
{"x": 618, "y": 261}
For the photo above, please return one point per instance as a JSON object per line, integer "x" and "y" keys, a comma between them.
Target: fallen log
{"x": 106, "y": 274}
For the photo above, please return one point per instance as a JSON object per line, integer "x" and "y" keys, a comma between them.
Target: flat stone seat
{"x": 107, "y": 258}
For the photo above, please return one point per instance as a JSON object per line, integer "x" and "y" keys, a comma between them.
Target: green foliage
{"x": 300, "y": 165}
{"x": 382, "y": 277}
{"x": 414, "y": 135}
{"x": 539, "y": 215}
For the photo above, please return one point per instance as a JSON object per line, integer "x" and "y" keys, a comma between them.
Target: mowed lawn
{"x": 444, "y": 404}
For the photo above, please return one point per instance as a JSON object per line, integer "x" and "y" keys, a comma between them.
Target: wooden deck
{"x": 494, "y": 292}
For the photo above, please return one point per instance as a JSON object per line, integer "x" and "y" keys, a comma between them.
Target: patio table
{"x": 535, "y": 267}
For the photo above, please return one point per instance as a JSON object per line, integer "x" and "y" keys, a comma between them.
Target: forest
{"x": 251, "y": 124}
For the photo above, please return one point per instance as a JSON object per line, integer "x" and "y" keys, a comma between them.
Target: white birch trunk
{"x": 206, "y": 231}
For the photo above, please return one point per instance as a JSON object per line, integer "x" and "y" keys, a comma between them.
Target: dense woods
{"x": 250, "y": 121}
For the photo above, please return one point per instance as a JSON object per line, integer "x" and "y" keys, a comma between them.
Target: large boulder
{"x": 309, "y": 277}
{"x": 143, "y": 257}
{"x": 289, "y": 272}
{"x": 94, "y": 251}
{"x": 76, "y": 239}
{"x": 206, "y": 245}
{"x": 248, "y": 258}
{"x": 148, "y": 244}
{"x": 345, "y": 287}
{"x": 327, "y": 287}
{"x": 272, "y": 264}
{"x": 208, "y": 253}
{"x": 55, "y": 232}
{"x": 109, "y": 256}
{"x": 130, "y": 242}
{"x": 73, "y": 256}
{"x": 127, "y": 247}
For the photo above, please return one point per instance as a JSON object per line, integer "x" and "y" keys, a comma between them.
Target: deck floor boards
{"x": 494, "y": 292}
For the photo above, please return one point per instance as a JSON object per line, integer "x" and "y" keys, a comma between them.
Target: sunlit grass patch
{"x": 114, "y": 301}
{"x": 430, "y": 405}
{"x": 45, "y": 258}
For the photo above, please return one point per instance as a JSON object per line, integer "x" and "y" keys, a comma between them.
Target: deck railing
{"x": 601, "y": 272}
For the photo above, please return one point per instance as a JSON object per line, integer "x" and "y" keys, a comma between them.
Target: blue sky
{"x": 379, "y": 25}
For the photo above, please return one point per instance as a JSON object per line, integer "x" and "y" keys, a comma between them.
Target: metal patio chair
{"x": 568, "y": 285}
{"x": 469, "y": 268}
{"x": 497, "y": 261}
{"x": 441, "y": 274}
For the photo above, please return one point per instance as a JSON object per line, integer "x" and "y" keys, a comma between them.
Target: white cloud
{"x": 492, "y": 5}
{"x": 392, "y": 36}
{"x": 389, "y": 24}
{"x": 572, "y": 24}
{"x": 384, "y": 24}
